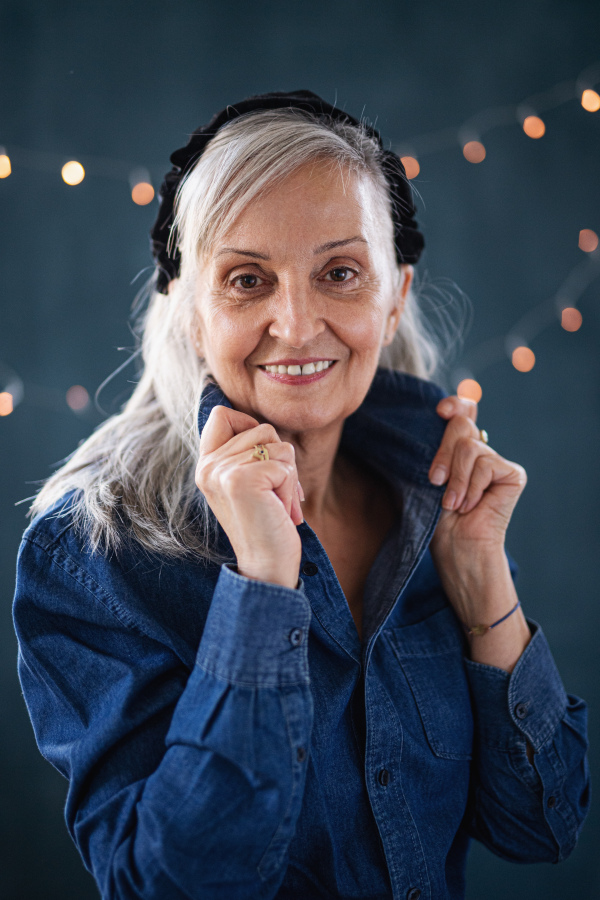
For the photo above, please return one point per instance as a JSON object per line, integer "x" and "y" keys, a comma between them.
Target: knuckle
{"x": 266, "y": 434}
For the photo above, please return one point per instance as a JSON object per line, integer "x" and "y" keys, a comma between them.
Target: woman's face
{"x": 299, "y": 283}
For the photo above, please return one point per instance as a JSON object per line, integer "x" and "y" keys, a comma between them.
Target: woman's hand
{"x": 257, "y": 503}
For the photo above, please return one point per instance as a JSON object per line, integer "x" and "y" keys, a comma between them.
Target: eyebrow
{"x": 330, "y": 245}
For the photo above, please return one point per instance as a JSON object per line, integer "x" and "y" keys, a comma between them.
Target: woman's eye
{"x": 340, "y": 274}
{"x": 247, "y": 281}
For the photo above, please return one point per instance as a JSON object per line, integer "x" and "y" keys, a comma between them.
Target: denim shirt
{"x": 230, "y": 738}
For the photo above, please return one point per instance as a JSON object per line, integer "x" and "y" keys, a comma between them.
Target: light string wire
{"x": 13, "y": 390}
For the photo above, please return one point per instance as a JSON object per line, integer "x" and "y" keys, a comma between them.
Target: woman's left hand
{"x": 482, "y": 488}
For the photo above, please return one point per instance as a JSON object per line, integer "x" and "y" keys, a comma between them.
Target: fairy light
{"x": 6, "y": 403}
{"x": 588, "y": 240}
{"x": 77, "y": 397}
{"x": 523, "y": 359}
{"x": 411, "y": 166}
{"x": 72, "y": 172}
{"x": 474, "y": 151}
{"x": 142, "y": 193}
{"x": 534, "y": 127}
{"x": 590, "y": 100}
{"x": 469, "y": 389}
{"x": 5, "y": 166}
{"x": 571, "y": 319}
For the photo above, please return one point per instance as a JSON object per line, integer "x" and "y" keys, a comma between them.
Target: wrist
{"x": 268, "y": 574}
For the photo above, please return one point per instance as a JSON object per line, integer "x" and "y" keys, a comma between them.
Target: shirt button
{"x": 551, "y": 802}
{"x": 296, "y": 637}
{"x": 384, "y": 778}
{"x": 413, "y": 894}
{"x": 300, "y": 754}
{"x": 309, "y": 568}
{"x": 521, "y": 710}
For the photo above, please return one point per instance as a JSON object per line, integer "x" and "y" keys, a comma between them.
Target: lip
{"x": 297, "y": 362}
{"x": 298, "y": 380}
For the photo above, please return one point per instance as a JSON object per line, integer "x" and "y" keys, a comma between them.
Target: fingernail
{"x": 445, "y": 406}
{"x": 301, "y": 492}
{"x": 438, "y": 476}
{"x": 449, "y": 500}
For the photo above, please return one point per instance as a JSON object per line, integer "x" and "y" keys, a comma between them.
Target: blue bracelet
{"x": 481, "y": 629}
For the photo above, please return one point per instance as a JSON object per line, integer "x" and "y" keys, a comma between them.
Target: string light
{"x": 590, "y": 100}
{"x": 523, "y": 359}
{"x": 474, "y": 151}
{"x": 6, "y": 403}
{"x": 77, "y": 397}
{"x": 72, "y": 172}
{"x": 411, "y": 166}
{"x": 534, "y": 127}
{"x": 571, "y": 319}
{"x": 5, "y": 166}
{"x": 588, "y": 240}
{"x": 142, "y": 192}
{"x": 469, "y": 389}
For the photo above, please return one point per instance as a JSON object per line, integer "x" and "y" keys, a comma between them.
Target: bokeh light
{"x": 571, "y": 319}
{"x": 590, "y": 100}
{"x": 411, "y": 166}
{"x": 142, "y": 193}
{"x": 73, "y": 172}
{"x": 523, "y": 359}
{"x": 5, "y": 166}
{"x": 588, "y": 240}
{"x": 77, "y": 397}
{"x": 474, "y": 151}
{"x": 534, "y": 127}
{"x": 469, "y": 389}
{"x": 6, "y": 403}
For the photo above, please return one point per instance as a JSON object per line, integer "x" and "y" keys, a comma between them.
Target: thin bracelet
{"x": 481, "y": 629}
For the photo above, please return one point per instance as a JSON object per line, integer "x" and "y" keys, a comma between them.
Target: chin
{"x": 297, "y": 421}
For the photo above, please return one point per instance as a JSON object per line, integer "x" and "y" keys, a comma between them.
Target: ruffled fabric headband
{"x": 409, "y": 241}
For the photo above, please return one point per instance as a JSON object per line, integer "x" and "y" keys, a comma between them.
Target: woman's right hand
{"x": 257, "y": 503}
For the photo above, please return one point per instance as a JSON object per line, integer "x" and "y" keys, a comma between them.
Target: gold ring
{"x": 260, "y": 452}
{"x": 483, "y": 435}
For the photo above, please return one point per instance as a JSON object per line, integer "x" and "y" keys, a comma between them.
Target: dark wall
{"x": 126, "y": 82}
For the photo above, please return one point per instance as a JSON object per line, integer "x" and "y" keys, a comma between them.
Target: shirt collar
{"x": 396, "y": 427}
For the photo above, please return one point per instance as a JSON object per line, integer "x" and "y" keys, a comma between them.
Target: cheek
{"x": 362, "y": 331}
{"x": 229, "y": 339}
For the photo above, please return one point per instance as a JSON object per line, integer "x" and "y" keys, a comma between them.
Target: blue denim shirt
{"x": 229, "y": 738}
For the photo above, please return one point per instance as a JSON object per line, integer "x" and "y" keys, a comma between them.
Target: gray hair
{"x": 135, "y": 475}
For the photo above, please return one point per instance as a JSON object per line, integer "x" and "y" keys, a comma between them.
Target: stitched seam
{"x": 252, "y": 684}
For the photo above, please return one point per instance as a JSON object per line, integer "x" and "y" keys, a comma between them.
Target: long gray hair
{"x": 134, "y": 475}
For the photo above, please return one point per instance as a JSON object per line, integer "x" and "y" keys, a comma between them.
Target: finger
{"x": 481, "y": 478}
{"x": 457, "y": 428}
{"x": 283, "y": 481}
{"x": 222, "y": 424}
{"x": 457, "y": 406}
{"x": 466, "y": 451}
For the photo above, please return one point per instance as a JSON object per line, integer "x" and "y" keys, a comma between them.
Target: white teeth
{"x": 306, "y": 369}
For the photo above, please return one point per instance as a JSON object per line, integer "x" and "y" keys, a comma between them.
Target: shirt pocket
{"x": 431, "y": 655}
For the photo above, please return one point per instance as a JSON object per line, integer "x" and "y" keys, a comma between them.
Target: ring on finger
{"x": 483, "y": 435}
{"x": 260, "y": 452}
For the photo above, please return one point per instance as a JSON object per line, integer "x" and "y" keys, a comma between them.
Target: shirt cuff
{"x": 256, "y": 633}
{"x": 530, "y": 700}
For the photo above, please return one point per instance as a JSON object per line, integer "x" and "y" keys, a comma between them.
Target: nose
{"x": 297, "y": 315}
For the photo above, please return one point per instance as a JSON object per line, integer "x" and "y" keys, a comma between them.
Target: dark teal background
{"x": 127, "y": 82}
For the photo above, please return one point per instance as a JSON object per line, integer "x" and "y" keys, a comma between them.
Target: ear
{"x": 395, "y": 313}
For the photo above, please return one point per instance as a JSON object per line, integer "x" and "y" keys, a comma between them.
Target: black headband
{"x": 408, "y": 240}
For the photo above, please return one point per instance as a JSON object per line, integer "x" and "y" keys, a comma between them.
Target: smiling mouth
{"x": 306, "y": 369}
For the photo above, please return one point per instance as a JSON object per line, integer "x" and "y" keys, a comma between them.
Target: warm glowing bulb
{"x": 474, "y": 151}
{"x": 523, "y": 359}
{"x": 469, "y": 389}
{"x": 411, "y": 166}
{"x": 77, "y": 397}
{"x": 6, "y": 403}
{"x": 571, "y": 319}
{"x": 5, "y": 167}
{"x": 142, "y": 193}
{"x": 73, "y": 172}
{"x": 534, "y": 127}
{"x": 590, "y": 100}
{"x": 588, "y": 240}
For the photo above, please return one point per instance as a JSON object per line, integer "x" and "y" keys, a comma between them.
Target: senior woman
{"x": 279, "y": 653}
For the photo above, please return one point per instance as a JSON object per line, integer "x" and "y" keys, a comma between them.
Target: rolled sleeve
{"x": 256, "y": 633}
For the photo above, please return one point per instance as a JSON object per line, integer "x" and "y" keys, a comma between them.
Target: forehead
{"x": 315, "y": 204}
